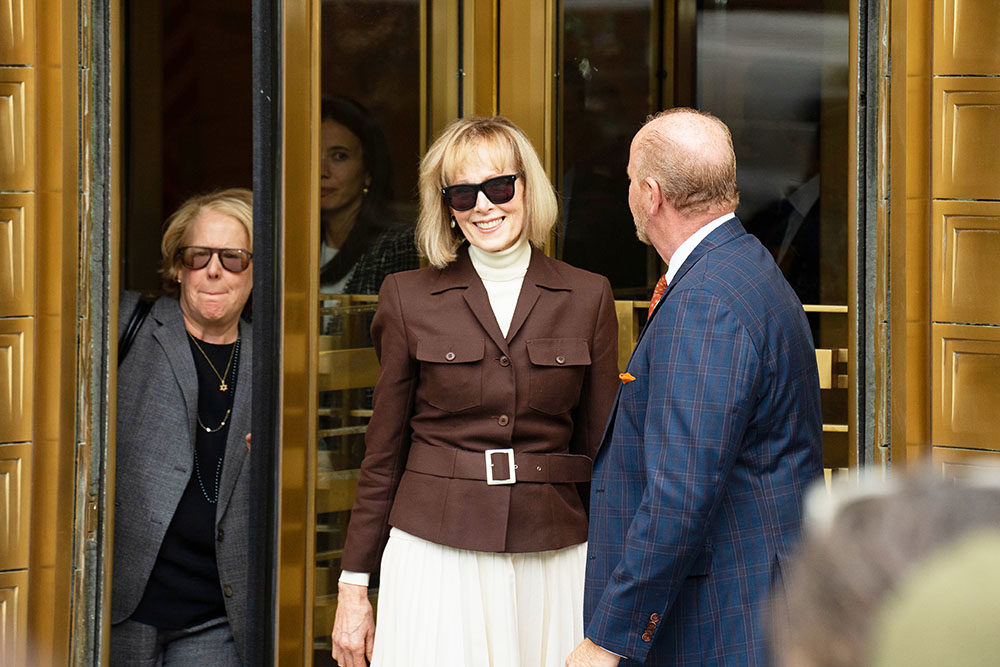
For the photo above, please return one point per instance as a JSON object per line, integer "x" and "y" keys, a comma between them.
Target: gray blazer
{"x": 157, "y": 408}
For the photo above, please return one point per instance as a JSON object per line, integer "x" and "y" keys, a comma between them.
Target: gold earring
{"x": 364, "y": 190}
{"x": 453, "y": 222}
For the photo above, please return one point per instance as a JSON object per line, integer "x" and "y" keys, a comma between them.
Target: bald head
{"x": 690, "y": 155}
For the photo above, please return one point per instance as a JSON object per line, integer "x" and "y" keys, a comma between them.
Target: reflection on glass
{"x": 777, "y": 74}
{"x": 605, "y": 97}
{"x": 370, "y": 118}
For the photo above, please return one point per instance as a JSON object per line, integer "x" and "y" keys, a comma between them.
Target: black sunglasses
{"x": 462, "y": 197}
{"x": 197, "y": 257}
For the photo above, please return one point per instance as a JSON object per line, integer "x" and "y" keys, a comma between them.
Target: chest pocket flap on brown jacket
{"x": 451, "y": 372}
{"x": 557, "y": 369}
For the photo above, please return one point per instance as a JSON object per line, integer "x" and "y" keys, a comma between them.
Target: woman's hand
{"x": 353, "y": 632}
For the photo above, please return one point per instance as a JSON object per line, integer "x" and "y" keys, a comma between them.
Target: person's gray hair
{"x": 696, "y": 174}
{"x": 823, "y": 613}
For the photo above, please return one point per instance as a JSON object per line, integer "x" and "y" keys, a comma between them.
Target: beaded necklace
{"x": 234, "y": 365}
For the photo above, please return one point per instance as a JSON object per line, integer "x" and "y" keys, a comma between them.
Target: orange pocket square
{"x": 626, "y": 377}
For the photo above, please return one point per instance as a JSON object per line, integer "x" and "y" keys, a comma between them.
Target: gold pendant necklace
{"x": 222, "y": 378}
{"x": 217, "y": 428}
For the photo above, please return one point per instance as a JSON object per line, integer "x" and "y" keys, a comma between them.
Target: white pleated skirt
{"x": 442, "y": 607}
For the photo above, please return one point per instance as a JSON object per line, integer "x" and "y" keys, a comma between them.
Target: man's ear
{"x": 651, "y": 195}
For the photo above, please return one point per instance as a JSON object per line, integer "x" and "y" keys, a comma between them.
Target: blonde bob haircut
{"x": 507, "y": 148}
{"x": 234, "y": 202}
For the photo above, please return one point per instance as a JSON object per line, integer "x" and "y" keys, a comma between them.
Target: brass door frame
{"x": 904, "y": 235}
{"x": 61, "y": 71}
{"x": 297, "y": 314}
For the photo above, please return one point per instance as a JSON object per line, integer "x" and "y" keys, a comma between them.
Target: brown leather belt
{"x": 461, "y": 464}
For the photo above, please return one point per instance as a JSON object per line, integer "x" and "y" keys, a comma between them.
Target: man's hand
{"x": 589, "y": 654}
{"x": 353, "y": 632}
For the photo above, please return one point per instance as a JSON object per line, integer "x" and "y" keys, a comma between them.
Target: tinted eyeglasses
{"x": 462, "y": 197}
{"x": 234, "y": 260}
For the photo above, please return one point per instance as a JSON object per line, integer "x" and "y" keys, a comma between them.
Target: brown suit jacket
{"x": 450, "y": 379}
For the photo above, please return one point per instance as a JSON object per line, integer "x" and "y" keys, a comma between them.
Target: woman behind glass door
{"x": 361, "y": 243}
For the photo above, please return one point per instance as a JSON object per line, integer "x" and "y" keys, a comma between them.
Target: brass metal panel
{"x": 15, "y": 501}
{"x": 918, "y": 25}
{"x": 295, "y": 551}
{"x": 17, "y": 34}
{"x": 824, "y": 362}
{"x": 335, "y": 491}
{"x": 480, "y": 57}
{"x": 966, "y": 386}
{"x": 17, "y": 128}
{"x": 347, "y": 369}
{"x": 631, "y": 318}
{"x": 966, "y": 273}
{"x": 965, "y": 37}
{"x": 17, "y": 377}
{"x": 962, "y": 464}
{"x": 966, "y": 127}
{"x": 526, "y": 77}
{"x": 13, "y": 618}
{"x": 917, "y": 147}
{"x": 17, "y": 254}
{"x": 55, "y": 576}
{"x": 905, "y": 364}
{"x": 441, "y": 66}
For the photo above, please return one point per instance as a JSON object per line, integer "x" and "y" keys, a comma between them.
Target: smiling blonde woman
{"x": 498, "y": 367}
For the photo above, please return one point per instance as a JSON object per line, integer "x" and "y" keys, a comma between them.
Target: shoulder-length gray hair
{"x": 506, "y": 144}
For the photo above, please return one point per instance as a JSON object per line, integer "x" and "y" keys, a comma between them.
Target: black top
{"x": 183, "y": 589}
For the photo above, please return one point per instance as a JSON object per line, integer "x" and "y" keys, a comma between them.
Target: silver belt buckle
{"x": 510, "y": 466}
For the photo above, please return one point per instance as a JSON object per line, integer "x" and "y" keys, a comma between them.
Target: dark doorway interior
{"x": 188, "y": 116}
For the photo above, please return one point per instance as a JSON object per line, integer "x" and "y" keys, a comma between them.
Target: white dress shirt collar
{"x": 682, "y": 252}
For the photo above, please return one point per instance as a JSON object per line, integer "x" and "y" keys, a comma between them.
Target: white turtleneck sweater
{"x": 502, "y": 274}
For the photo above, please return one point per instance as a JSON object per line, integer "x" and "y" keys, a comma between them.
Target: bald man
{"x": 716, "y": 430}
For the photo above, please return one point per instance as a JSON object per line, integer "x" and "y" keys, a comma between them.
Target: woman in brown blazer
{"x": 498, "y": 368}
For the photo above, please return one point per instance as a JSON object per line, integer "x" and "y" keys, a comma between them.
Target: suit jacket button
{"x": 646, "y": 637}
{"x": 228, "y": 590}
{"x": 503, "y": 420}
{"x": 654, "y": 617}
{"x": 450, "y": 356}
{"x": 504, "y": 361}
{"x": 650, "y": 627}
{"x": 560, "y": 359}
{"x": 220, "y": 535}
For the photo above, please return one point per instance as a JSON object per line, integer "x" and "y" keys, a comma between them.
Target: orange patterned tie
{"x": 661, "y": 287}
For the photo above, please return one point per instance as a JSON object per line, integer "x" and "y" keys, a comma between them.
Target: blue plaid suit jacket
{"x": 698, "y": 486}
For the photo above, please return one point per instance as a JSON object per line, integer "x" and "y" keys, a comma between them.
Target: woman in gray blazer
{"x": 182, "y": 467}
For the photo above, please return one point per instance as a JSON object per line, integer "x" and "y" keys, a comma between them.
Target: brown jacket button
{"x": 450, "y": 356}
{"x": 654, "y": 617}
{"x": 560, "y": 359}
{"x": 503, "y": 420}
{"x": 646, "y": 637}
{"x": 504, "y": 361}
{"x": 228, "y": 590}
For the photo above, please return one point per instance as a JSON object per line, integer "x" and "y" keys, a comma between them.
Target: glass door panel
{"x": 777, "y": 74}
{"x": 610, "y": 80}
{"x": 369, "y": 138}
